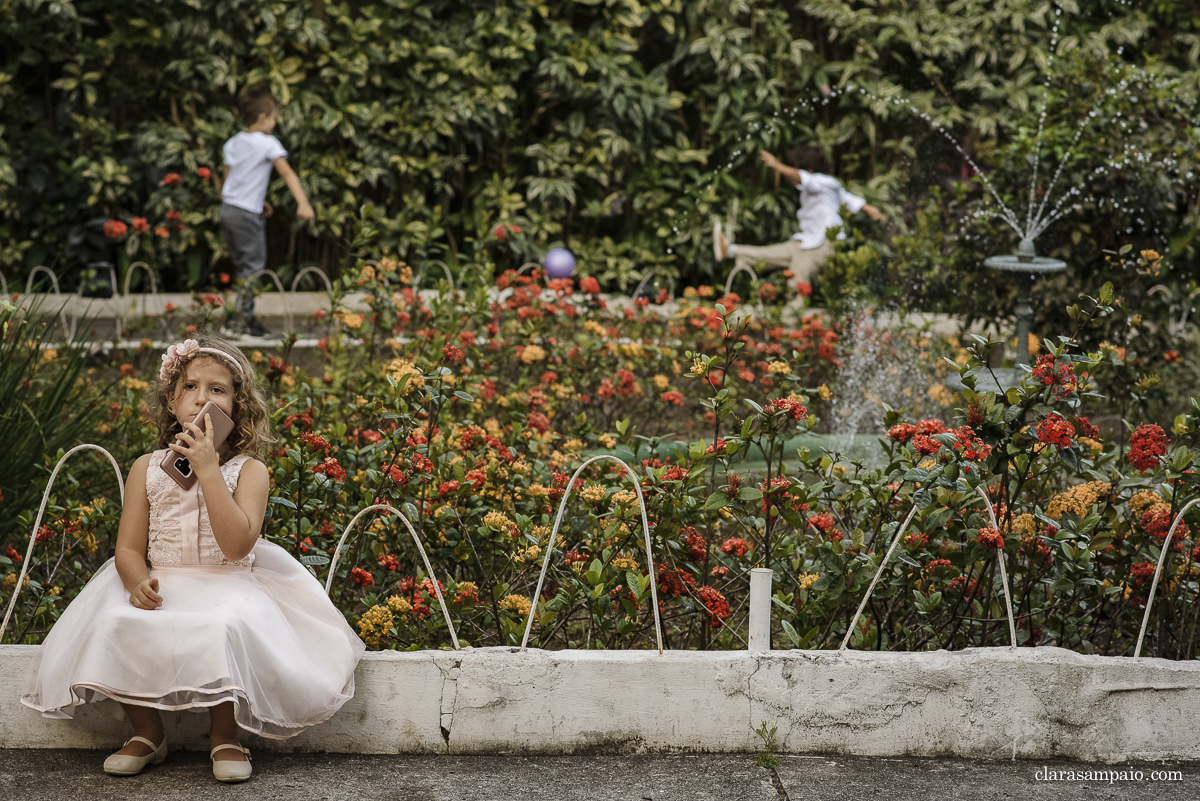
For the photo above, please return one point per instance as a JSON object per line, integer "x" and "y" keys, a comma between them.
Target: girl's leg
{"x": 146, "y": 723}
{"x": 222, "y": 729}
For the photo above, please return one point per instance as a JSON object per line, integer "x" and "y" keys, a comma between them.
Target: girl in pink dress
{"x": 195, "y": 610}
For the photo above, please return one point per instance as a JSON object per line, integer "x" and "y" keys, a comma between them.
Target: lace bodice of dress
{"x": 180, "y": 530}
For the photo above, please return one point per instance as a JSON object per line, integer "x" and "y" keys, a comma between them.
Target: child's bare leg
{"x": 222, "y": 729}
{"x": 146, "y": 723}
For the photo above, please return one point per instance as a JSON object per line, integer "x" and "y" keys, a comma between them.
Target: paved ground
{"x": 67, "y": 775}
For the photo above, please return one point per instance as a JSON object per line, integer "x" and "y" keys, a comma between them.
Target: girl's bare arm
{"x": 237, "y": 519}
{"x": 133, "y": 538}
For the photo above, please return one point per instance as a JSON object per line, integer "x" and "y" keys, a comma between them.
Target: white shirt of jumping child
{"x": 821, "y": 199}
{"x": 250, "y": 157}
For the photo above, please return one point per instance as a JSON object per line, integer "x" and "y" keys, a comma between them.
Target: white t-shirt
{"x": 821, "y": 199}
{"x": 250, "y": 157}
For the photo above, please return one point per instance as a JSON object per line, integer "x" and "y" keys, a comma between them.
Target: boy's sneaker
{"x": 256, "y": 329}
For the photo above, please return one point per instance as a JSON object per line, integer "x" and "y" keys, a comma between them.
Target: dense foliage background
{"x": 619, "y": 129}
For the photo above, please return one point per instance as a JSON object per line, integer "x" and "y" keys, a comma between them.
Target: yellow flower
{"x": 49, "y": 354}
{"x": 690, "y": 292}
{"x": 593, "y": 493}
{"x": 824, "y": 393}
{"x": 376, "y": 624}
{"x": 1024, "y": 525}
{"x": 349, "y": 319}
{"x": 256, "y": 357}
{"x": 517, "y": 604}
{"x": 498, "y": 521}
{"x": 573, "y": 445}
{"x": 1144, "y": 500}
{"x": 593, "y": 327}
{"x": 706, "y": 291}
{"x": 532, "y": 353}
{"x": 808, "y": 579}
{"x": 699, "y": 366}
{"x": 399, "y": 605}
{"x": 661, "y": 382}
{"x": 940, "y": 395}
{"x": 623, "y": 562}
{"x": 624, "y": 498}
{"x": 131, "y": 383}
{"x": 398, "y": 368}
{"x": 778, "y": 368}
{"x": 1148, "y": 382}
{"x": 607, "y": 441}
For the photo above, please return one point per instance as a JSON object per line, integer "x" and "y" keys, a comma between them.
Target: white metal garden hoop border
{"x": 1162, "y": 559}
{"x": 428, "y": 567}
{"x": 562, "y": 507}
{"x": 12, "y": 603}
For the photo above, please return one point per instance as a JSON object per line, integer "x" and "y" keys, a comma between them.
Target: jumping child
{"x": 196, "y": 611}
{"x": 821, "y": 199}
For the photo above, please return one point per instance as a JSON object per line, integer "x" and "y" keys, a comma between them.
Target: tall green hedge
{"x": 617, "y": 128}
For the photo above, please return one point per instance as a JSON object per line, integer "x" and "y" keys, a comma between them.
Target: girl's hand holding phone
{"x": 197, "y": 445}
{"x": 145, "y": 594}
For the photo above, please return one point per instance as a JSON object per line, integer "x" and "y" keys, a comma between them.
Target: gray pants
{"x": 790, "y": 255}
{"x": 246, "y": 237}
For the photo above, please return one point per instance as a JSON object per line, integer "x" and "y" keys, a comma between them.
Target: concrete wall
{"x": 987, "y": 703}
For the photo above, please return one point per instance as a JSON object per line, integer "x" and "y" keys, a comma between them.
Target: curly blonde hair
{"x": 251, "y": 433}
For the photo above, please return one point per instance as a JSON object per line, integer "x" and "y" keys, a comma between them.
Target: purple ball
{"x": 559, "y": 263}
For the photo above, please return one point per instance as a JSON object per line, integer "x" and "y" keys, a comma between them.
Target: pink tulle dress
{"x": 259, "y": 631}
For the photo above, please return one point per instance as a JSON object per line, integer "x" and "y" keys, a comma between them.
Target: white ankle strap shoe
{"x": 230, "y": 770}
{"x": 126, "y": 765}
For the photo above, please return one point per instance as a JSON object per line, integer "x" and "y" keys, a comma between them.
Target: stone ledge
{"x": 984, "y": 703}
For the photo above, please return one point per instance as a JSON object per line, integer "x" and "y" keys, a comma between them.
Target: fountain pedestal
{"x": 1028, "y": 265}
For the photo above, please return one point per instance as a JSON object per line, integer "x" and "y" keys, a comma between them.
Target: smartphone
{"x": 176, "y": 465}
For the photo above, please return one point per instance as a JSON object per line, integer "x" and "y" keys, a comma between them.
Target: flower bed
{"x": 470, "y": 414}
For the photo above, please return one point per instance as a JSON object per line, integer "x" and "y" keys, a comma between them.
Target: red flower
{"x": 1052, "y": 374}
{"x": 115, "y": 228}
{"x": 1147, "y": 446}
{"x": 989, "y": 537}
{"x": 673, "y": 582}
{"x": 452, "y": 354}
{"x": 163, "y": 232}
{"x": 448, "y": 487}
{"x": 925, "y": 445}
{"x": 804, "y": 288}
{"x": 673, "y": 397}
{"x": 203, "y": 172}
{"x": 361, "y": 577}
{"x": 916, "y": 540}
{"x": 223, "y": 278}
{"x": 794, "y": 408}
{"x": 902, "y": 432}
{"x": 140, "y": 225}
{"x": 1171, "y": 356}
{"x": 1054, "y": 430}
{"x": 590, "y": 285}
{"x": 695, "y": 543}
{"x": 331, "y": 469}
{"x": 389, "y": 562}
{"x": 316, "y": 442}
{"x": 715, "y": 605}
{"x": 172, "y": 179}
{"x": 12, "y": 554}
{"x": 735, "y": 546}
{"x": 170, "y": 307}
{"x": 1085, "y": 428}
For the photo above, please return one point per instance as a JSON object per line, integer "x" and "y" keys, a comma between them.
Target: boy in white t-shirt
{"x": 249, "y": 158}
{"x": 821, "y": 199}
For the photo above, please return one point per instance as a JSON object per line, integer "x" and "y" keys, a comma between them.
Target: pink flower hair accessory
{"x": 183, "y": 352}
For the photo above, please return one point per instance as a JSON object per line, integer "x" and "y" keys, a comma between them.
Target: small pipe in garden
{"x": 37, "y": 524}
{"x": 562, "y": 506}
{"x": 760, "y": 609}
{"x": 1012, "y": 622}
{"x": 68, "y": 321}
{"x": 437, "y": 590}
{"x": 863, "y": 604}
{"x": 1162, "y": 558}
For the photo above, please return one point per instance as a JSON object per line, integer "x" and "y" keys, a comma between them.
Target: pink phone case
{"x": 176, "y": 466}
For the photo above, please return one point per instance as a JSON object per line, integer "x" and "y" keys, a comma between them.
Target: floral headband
{"x": 177, "y": 355}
